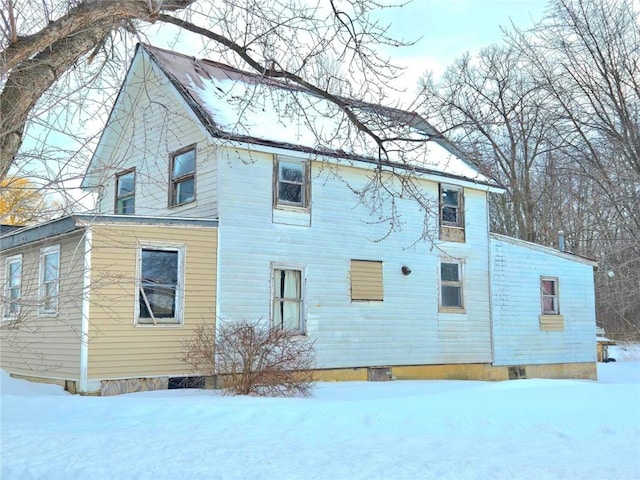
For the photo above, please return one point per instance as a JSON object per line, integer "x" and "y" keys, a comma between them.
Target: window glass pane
{"x": 50, "y": 267}
{"x": 450, "y": 214}
{"x": 287, "y": 302}
{"x": 14, "y": 306}
{"x": 291, "y": 315}
{"x": 549, "y": 304}
{"x": 451, "y": 296}
{"x": 14, "y": 273}
{"x": 449, "y": 272}
{"x": 183, "y": 191}
{"x": 126, "y": 206}
{"x": 162, "y": 300}
{"x": 291, "y": 172}
{"x": 450, "y": 197}
{"x": 184, "y": 163}
{"x": 290, "y": 192}
{"x": 126, "y": 184}
{"x": 159, "y": 283}
{"x": 160, "y": 267}
{"x": 548, "y": 287}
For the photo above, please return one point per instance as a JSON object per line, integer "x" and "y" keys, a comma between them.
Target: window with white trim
{"x": 291, "y": 183}
{"x": 288, "y": 308}
{"x": 182, "y": 173}
{"x": 451, "y": 285}
{"x": 159, "y": 294}
{"x": 13, "y": 285}
{"x": 49, "y": 280}
{"x": 125, "y": 192}
{"x": 549, "y": 296}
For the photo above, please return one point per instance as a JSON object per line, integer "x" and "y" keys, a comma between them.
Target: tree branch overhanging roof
{"x": 239, "y": 106}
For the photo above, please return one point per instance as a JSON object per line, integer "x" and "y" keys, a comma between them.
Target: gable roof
{"x": 245, "y": 107}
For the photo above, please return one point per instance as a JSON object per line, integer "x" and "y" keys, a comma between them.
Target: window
{"x": 183, "y": 177}
{"x": 366, "y": 280}
{"x": 451, "y": 291}
{"x": 49, "y": 279}
{"x": 12, "y": 286}
{"x": 451, "y": 206}
{"x": 159, "y": 294}
{"x": 291, "y": 183}
{"x": 287, "y": 300}
{"x": 125, "y": 192}
{"x": 549, "y": 294}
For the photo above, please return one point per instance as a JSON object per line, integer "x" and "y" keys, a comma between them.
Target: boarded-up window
{"x": 366, "y": 280}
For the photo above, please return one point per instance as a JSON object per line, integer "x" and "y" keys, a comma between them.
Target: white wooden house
{"x": 303, "y": 237}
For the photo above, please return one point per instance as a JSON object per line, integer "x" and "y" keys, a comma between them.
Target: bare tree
{"x": 497, "y": 114}
{"x": 586, "y": 56}
{"x": 555, "y": 115}
{"x": 52, "y": 49}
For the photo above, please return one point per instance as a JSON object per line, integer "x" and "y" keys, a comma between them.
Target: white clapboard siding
{"x": 152, "y": 122}
{"x": 516, "y": 268}
{"x": 404, "y": 328}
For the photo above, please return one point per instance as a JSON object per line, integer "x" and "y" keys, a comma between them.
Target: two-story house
{"x": 225, "y": 196}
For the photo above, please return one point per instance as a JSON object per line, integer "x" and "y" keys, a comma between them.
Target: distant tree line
{"x": 554, "y": 114}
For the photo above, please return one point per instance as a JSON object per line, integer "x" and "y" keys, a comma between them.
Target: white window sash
{"x": 49, "y": 287}
{"x": 12, "y": 300}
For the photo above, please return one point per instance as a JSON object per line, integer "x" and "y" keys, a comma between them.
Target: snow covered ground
{"x": 524, "y": 429}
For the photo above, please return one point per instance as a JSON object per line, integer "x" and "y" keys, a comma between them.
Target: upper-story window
{"x": 182, "y": 188}
{"x": 291, "y": 183}
{"x": 451, "y": 209}
{"x": 13, "y": 286}
{"x": 126, "y": 192}
{"x": 451, "y": 213}
{"x": 49, "y": 279}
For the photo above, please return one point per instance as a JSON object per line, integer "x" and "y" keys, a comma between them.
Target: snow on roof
{"x": 248, "y": 107}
